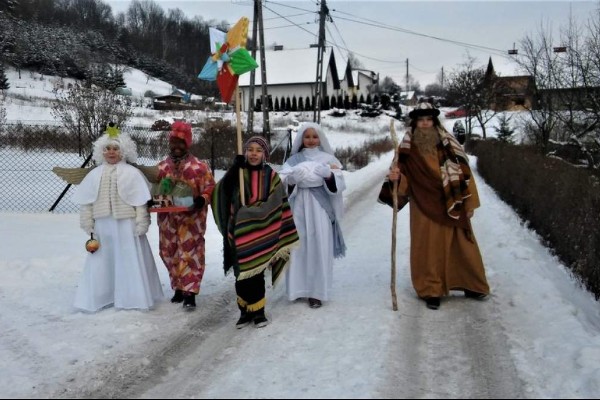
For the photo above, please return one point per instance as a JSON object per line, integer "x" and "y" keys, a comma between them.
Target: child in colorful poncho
{"x": 256, "y": 235}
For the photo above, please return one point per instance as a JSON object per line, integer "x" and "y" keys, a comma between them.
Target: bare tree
{"x": 89, "y": 109}
{"x": 471, "y": 87}
{"x": 2, "y": 112}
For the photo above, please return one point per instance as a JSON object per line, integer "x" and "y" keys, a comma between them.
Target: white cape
{"x": 132, "y": 186}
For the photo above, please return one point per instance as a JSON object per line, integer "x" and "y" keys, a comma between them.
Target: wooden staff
{"x": 394, "y": 218}
{"x": 239, "y": 141}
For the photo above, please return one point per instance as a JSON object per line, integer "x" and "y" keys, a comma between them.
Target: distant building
{"x": 176, "y": 102}
{"x": 358, "y": 82}
{"x": 408, "y": 98}
{"x": 293, "y": 73}
{"x": 510, "y": 93}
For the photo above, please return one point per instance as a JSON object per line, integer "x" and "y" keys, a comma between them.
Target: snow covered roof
{"x": 290, "y": 66}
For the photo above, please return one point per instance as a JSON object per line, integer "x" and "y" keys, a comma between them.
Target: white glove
{"x": 323, "y": 170}
{"x": 142, "y": 220}
{"x": 86, "y": 219}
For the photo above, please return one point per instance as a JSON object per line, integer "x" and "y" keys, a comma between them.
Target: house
{"x": 577, "y": 98}
{"x": 408, "y": 98}
{"x": 292, "y": 74}
{"x": 175, "y": 102}
{"x": 510, "y": 93}
{"x": 358, "y": 82}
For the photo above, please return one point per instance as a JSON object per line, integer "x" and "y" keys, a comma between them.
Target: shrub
{"x": 561, "y": 202}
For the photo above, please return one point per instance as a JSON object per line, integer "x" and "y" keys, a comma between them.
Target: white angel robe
{"x": 122, "y": 272}
{"x": 311, "y": 270}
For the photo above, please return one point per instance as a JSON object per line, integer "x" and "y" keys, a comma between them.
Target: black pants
{"x": 251, "y": 294}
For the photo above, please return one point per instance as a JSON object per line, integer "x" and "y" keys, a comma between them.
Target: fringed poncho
{"x": 259, "y": 234}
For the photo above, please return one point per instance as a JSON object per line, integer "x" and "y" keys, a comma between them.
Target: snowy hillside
{"x": 29, "y": 99}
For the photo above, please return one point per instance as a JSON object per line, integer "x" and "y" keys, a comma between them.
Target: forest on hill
{"x": 72, "y": 38}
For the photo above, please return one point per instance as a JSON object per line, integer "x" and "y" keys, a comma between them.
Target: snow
{"x": 29, "y": 97}
{"x": 537, "y": 336}
{"x": 341, "y": 350}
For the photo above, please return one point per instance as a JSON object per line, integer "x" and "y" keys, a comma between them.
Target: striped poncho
{"x": 260, "y": 234}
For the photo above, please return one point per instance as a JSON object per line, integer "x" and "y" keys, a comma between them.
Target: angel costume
{"x": 113, "y": 197}
{"x": 317, "y": 206}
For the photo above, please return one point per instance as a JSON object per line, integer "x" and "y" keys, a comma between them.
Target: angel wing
{"x": 72, "y": 176}
{"x": 150, "y": 172}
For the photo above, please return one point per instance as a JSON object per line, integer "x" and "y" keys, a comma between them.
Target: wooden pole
{"x": 239, "y": 141}
{"x": 394, "y": 218}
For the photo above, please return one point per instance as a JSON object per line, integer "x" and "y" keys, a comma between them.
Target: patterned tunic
{"x": 182, "y": 233}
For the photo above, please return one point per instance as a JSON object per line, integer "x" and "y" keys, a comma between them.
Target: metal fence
{"x": 29, "y": 152}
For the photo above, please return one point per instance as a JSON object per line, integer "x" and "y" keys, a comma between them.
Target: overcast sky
{"x": 383, "y": 35}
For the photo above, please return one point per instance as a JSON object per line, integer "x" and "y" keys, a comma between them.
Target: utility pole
{"x": 407, "y": 89}
{"x": 442, "y": 78}
{"x": 250, "y": 124}
{"x": 258, "y": 36}
{"x": 263, "y": 75}
{"x": 323, "y": 14}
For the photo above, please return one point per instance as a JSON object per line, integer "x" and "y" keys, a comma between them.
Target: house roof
{"x": 292, "y": 66}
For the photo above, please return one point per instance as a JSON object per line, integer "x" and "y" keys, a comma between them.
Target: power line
{"x": 290, "y": 21}
{"x": 287, "y": 5}
{"x": 407, "y": 31}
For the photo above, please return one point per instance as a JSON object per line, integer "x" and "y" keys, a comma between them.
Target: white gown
{"x": 121, "y": 273}
{"x": 311, "y": 270}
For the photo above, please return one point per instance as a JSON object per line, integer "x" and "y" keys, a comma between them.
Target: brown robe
{"x": 442, "y": 257}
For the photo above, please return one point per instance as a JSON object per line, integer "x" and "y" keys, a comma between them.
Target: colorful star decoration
{"x": 229, "y": 58}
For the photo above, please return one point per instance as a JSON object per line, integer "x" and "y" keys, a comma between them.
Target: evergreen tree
{"x": 300, "y": 104}
{"x": 354, "y": 103}
{"x": 294, "y": 103}
{"x": 504, "y": 131}
{"x": 288, "y": 104}
{"x": 333, "y": 102}
{"x": 276, "y": 103}
{"x": 3, "y": 79}
{"x": 307, "y": 104}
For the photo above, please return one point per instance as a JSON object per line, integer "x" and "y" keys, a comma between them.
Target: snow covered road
{"x": 536, "y": 336}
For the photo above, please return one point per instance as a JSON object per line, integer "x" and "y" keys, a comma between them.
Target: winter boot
{"x": 433, "y": 303}
{"x": 469, "y": 294}
{"x": 245, "y": 319}
{"x": 177, "y": 297}
{"x": 314, "y": 303}
{"x": 260, "y": 321}
{"x": 189, "y": 301}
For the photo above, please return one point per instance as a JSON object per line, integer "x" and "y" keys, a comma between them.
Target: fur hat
{"x": 424, "y": 110}
{"x": 182, "y": 130}
{"x": 113, "y": 137}
{"x": 262, "y": 142}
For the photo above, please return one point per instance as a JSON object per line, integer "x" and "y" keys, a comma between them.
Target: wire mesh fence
{"x": 29, "y": 152}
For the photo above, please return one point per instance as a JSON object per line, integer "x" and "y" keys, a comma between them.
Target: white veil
{"x": 324, "y": 146}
